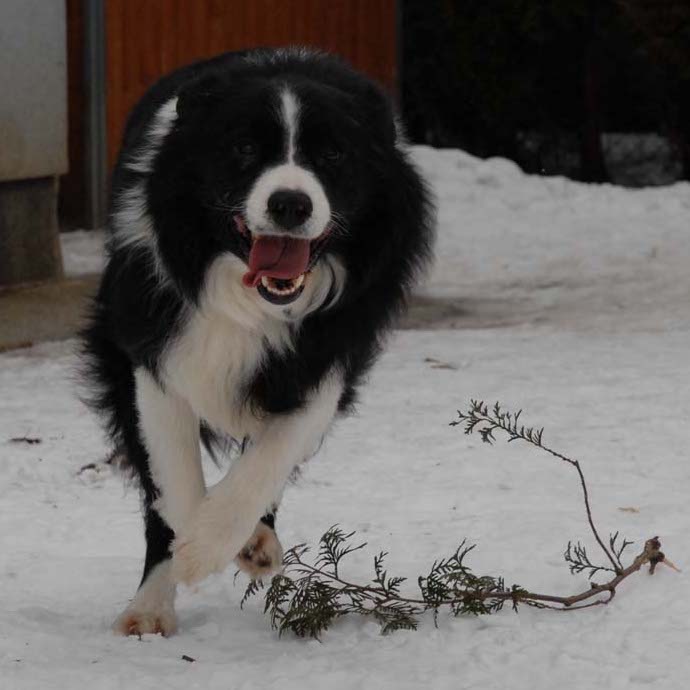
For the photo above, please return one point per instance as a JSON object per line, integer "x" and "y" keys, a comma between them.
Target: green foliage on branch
{"x": 307, "y": 598}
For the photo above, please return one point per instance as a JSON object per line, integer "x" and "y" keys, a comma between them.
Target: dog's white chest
{"x": 210, "y": 364}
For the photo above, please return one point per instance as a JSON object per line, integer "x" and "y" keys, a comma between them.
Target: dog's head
{"x": 271, "y": 165}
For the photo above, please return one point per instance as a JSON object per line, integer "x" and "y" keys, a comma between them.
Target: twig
{"x": 26, "y": 439}
{"x": 480, "y": 419}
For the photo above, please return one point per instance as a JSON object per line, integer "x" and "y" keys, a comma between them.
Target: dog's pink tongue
{"x": 276, "y": 257}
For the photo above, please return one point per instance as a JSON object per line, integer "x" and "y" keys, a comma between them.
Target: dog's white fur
{"x": 170, "y": 430}
{"x": 131, "y": 222}
{"x": 133, "y": 230}
{"x": 289, "y": 114}
{"x": 288, "y": 175}
{"x": 163, "y": 122}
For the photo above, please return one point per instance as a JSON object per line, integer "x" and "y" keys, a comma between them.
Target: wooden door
{"x": 147, "y": 38}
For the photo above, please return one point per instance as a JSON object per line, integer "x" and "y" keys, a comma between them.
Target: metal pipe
{"x": 96, "y": 137}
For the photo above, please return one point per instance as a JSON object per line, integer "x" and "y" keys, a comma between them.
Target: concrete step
{"x": 32, "y": 314}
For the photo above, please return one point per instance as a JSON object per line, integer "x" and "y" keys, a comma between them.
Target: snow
{"x": 577, "y": 311}
{"x": 82, "y": 252}
{"x": 548, "y": 248}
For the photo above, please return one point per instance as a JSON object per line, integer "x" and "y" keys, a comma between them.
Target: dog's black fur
{"x": 198, "y": 174}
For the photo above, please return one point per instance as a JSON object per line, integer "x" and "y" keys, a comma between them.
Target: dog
{"x": 265, "y": 229}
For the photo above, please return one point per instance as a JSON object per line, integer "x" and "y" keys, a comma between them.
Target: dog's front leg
{"x": 228, "y": 515}
{"x": 262, "y": 555}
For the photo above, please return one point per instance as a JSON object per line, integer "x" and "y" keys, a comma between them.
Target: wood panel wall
{"x": 147, "y": 38}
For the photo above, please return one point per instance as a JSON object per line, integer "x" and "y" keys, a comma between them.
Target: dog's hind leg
{"x": 166, "y": 444}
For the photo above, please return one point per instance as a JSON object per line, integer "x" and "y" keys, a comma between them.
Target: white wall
{"x": 33, "y": 89}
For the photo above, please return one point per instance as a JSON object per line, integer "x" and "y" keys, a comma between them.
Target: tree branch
{"x": 307, "y": 598}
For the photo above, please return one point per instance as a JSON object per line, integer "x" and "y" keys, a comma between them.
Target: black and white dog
{"x": 265, "y": 228}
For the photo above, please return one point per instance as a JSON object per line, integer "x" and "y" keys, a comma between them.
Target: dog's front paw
{"x": 152, "y": 611}
{"x": 262, "y": 555}
{"x": 133, "y": 621}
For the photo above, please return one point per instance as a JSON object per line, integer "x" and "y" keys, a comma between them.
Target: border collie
{"x": 265, "y": 228}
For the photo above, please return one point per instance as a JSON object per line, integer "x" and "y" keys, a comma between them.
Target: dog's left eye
{"x": 331, "y": 154}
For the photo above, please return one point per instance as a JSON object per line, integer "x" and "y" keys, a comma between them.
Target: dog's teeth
{"x": 293, "y": 285}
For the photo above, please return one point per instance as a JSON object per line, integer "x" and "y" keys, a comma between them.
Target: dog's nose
{"x": 289, "y": 208}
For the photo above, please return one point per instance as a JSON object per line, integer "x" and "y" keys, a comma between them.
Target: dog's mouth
{"x": 279, "y": 265}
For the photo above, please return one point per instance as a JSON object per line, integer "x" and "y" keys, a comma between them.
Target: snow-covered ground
{"x": 82, "y": 252}
{"x": 579, "y": 302}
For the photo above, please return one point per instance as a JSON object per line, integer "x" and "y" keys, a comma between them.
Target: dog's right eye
{"x": 245, "y": 149}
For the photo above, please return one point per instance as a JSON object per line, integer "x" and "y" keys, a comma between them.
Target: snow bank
{"x": 548, "y": 244}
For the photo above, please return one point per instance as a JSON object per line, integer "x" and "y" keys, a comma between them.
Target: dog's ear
{"x": 198, "y": 97}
